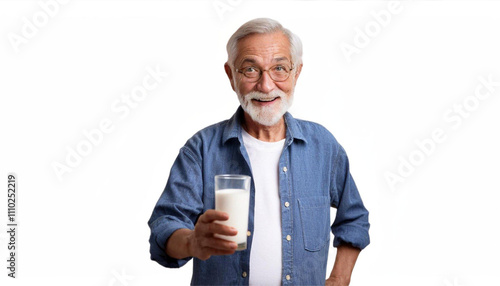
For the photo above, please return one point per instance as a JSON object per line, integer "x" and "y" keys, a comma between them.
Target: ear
{"x": 297, "y": 72}
{"x": 229, "y": 74}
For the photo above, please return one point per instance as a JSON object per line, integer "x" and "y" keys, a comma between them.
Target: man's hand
{"x": 201, "y": 242}
{"x": 336, "y": 281}
{"x": 344, "y": 264}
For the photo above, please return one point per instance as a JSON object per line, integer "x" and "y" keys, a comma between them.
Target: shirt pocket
{"x": 315, "y": 220}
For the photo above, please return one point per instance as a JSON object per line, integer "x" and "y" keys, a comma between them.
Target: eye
{"x": 279, "y": 68}
{"x": 249, "y": 70}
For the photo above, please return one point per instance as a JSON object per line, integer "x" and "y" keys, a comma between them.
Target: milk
{"x": 235, "y": 202}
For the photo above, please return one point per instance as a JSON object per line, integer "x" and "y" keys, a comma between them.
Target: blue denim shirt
{"x": 313, "y": 176}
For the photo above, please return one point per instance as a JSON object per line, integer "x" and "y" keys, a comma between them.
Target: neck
{"x": 265, "y": 133}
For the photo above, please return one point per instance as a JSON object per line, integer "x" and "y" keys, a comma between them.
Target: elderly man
{"x": 298, "y": 171}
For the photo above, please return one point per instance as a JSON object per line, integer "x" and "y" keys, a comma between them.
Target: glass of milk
{"x": 232, "y": 195}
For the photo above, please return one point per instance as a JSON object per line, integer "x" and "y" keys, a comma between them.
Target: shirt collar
{"x": 233, "y": 128}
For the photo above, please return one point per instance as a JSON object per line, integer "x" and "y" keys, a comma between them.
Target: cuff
{"x": 161, "y": 230}
{"x": 356, "y": 236}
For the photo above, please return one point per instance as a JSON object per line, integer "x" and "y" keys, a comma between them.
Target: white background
{"x": 438, "y": 226}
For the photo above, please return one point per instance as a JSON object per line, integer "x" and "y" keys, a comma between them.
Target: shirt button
{"x": 285, "y": 169}
{"x": 288, "y": 277}
{"x": 249, "y": 233}
{"x": 244, "y": 274}
{"x": 287, "y": 204}
{"x": 288, "y": 237}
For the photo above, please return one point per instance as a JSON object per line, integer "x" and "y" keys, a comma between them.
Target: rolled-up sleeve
{"x": 351, "y": 222}
{"x": 178, "y": 207}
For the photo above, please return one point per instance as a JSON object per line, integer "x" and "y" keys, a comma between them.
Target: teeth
{"x": 266, "y": 100}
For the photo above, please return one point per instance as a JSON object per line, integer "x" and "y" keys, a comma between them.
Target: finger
{"x": 203, "y": 229}
{"x": 208, "y": 252}
{"x": 215, "y": 227}
{"x": 214, "y": 251}
{"x": 211, "y": 215}
{"x": 219, "y": 244}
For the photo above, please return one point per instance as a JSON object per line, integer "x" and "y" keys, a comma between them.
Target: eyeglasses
{"x": 279, "y": 72}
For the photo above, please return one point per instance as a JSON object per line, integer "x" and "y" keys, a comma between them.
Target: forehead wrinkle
{"x": 255, "y": 59}
{"x": 263, "y": 48}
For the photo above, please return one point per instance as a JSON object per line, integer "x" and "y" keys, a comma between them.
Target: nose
{"x": 265, "y": 83}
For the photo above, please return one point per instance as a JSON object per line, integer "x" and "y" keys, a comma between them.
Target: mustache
{"x": 265, "y": 96}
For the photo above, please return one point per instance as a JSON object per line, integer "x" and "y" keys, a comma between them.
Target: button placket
{"x": 287, "y": 215}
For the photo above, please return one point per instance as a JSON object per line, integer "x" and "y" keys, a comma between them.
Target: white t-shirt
{"x": 265, "y": 255}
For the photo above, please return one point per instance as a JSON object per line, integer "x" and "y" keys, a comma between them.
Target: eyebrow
{"x": 280, "y": 59}
{"x": 252, "y": 61}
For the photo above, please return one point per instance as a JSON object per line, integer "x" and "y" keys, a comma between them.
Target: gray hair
{"x": 263, "y": 26}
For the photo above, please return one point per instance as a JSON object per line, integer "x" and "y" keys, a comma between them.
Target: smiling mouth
{"x": 266, "y": 100}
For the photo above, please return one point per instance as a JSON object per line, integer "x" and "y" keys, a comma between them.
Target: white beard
{"x": 266, "y": 115}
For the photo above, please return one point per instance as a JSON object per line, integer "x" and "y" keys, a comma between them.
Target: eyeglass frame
{"x": 262, "y": 72}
